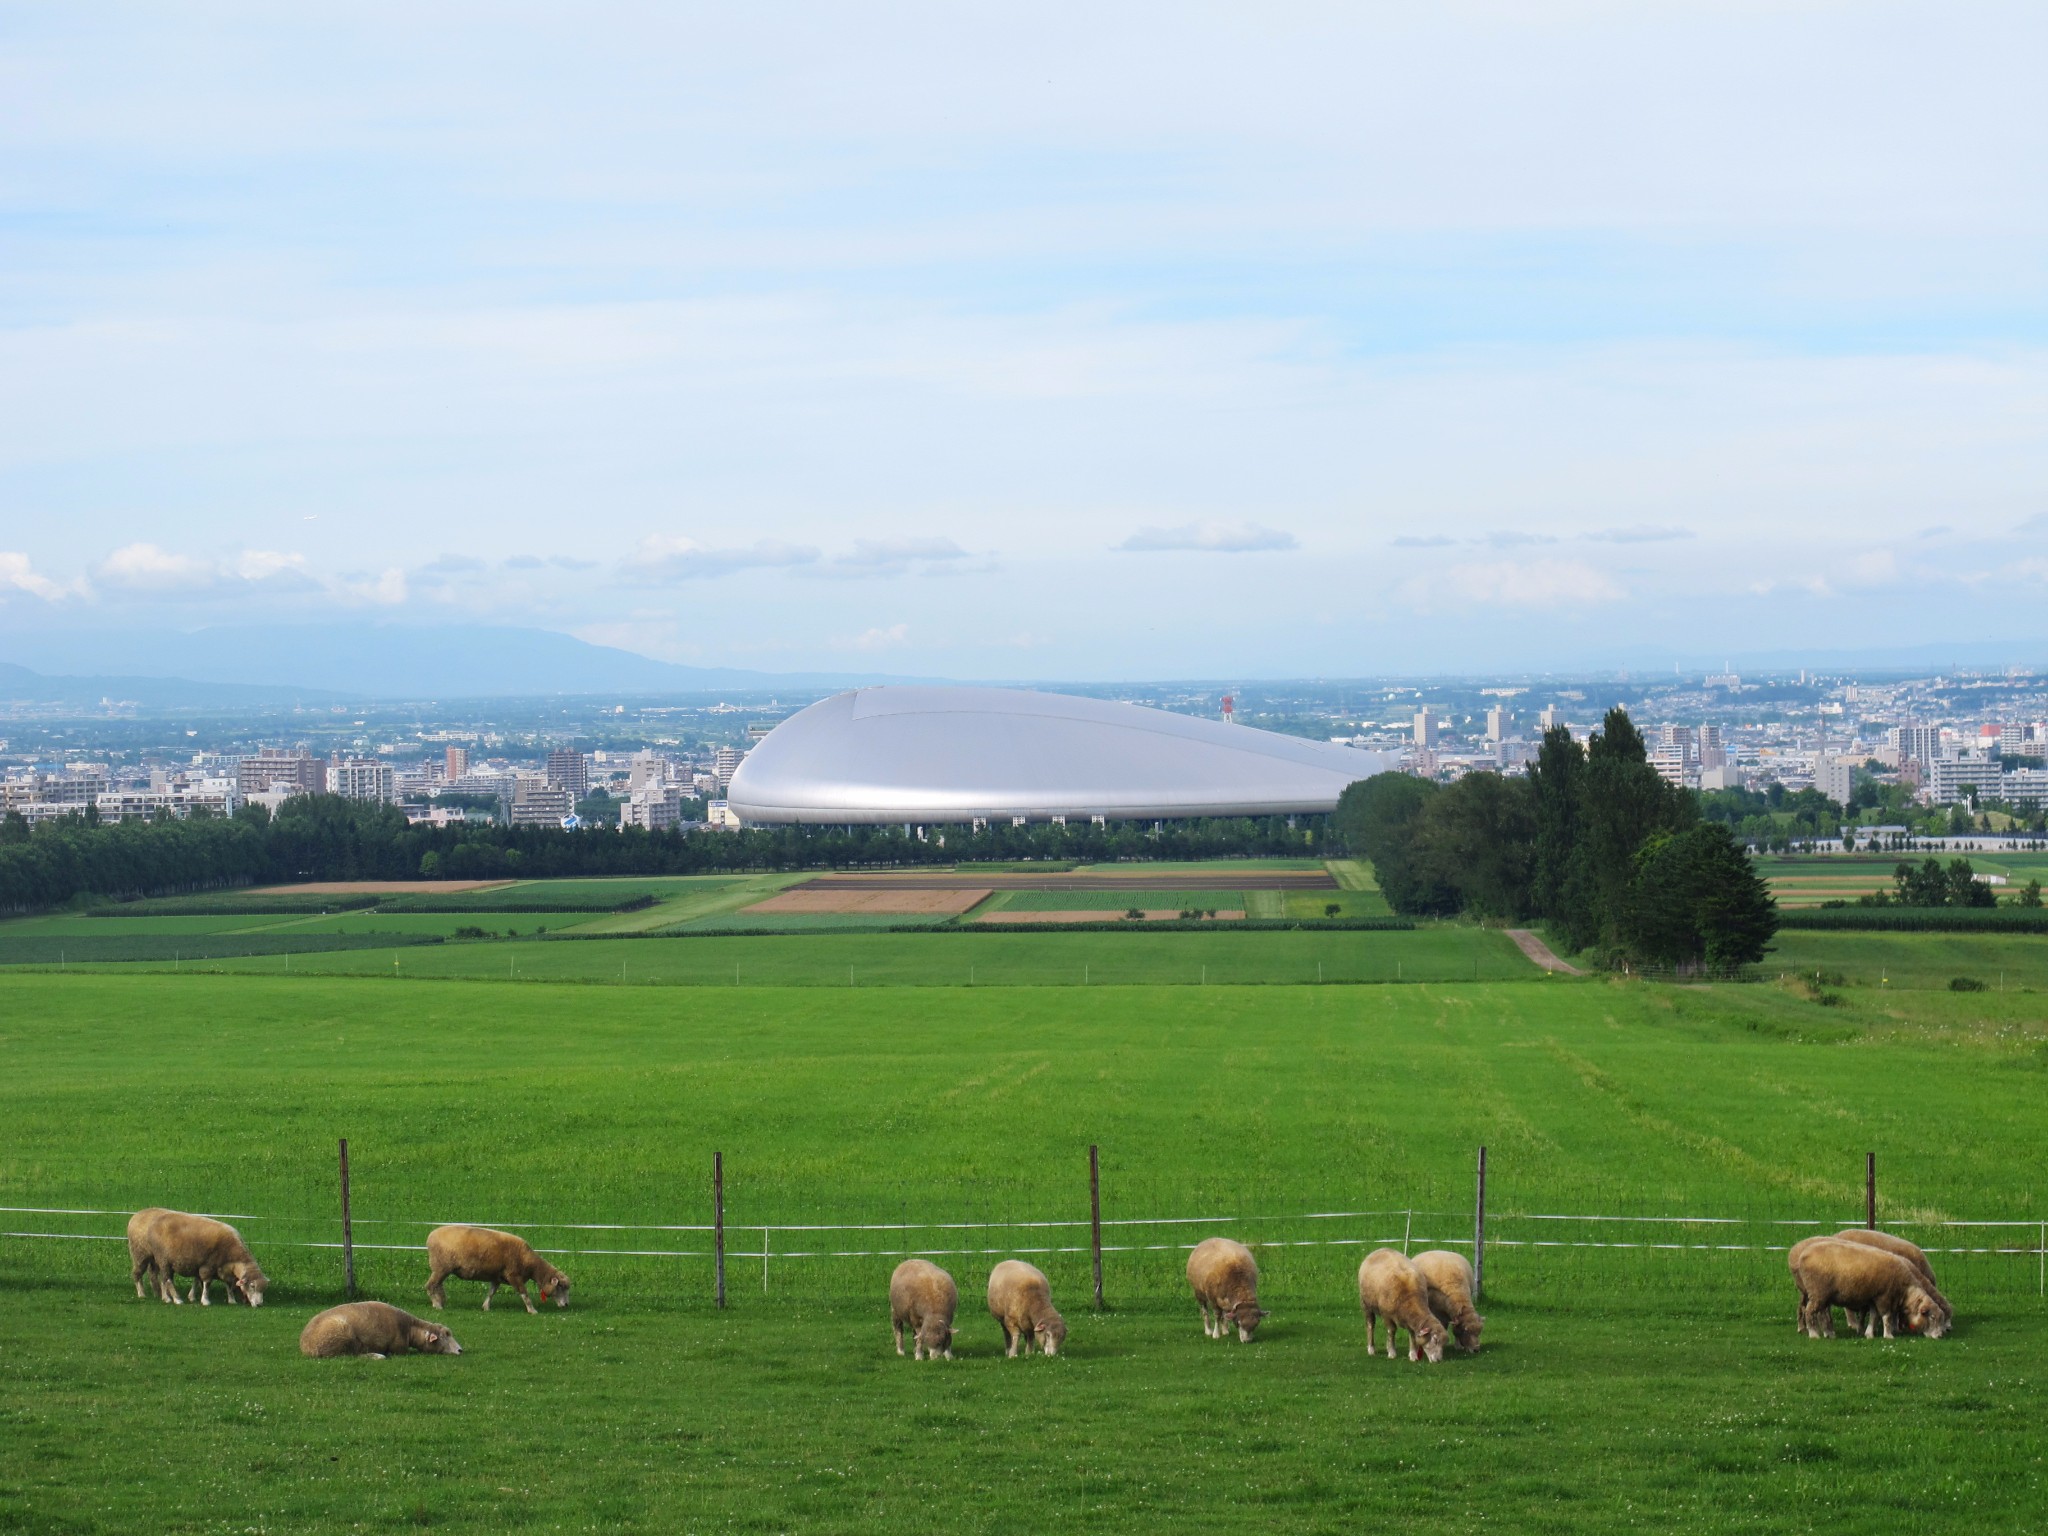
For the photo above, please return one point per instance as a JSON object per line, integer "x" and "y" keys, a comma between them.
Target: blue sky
{"x": 1117, "y": 340}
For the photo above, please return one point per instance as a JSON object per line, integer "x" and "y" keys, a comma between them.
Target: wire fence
{"x": 1302, "y": 1253}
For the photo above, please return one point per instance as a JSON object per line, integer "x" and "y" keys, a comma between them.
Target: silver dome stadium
{"x": 936, "y": 755}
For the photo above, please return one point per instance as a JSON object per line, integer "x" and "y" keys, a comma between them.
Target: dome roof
{"x": 912, "y": 754}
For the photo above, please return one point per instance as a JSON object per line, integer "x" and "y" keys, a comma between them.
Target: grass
{"x": 1618, "y": 1389}
{"x": 1115, "y": 903}
{"x": 809, "y": 957}
{"x": 1914, "y": 961}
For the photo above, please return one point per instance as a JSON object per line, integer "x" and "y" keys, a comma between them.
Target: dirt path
{"x": 1541, "y": 953}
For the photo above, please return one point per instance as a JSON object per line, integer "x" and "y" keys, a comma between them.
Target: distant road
{"x": 1541, "y": 952}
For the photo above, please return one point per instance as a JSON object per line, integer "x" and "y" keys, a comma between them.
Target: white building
{"x": 655, "y": 808}
{"x": 363, "y": 778}
{"x": 726, "y": 764}
{"x": 1426, "y": 727}
{"x": 537, "y": 803}
{"x": 1835, "y": 775}
{"x": 1950, "y": 775}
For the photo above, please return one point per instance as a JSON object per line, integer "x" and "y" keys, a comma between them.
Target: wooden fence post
{"x": 718, "y": 1217}
{"x": 1479, "y": 1231}
{"x": 1095, "y": 1216}
{"x": 1870, "y": 1190}
{"x": 348, "y": 1231}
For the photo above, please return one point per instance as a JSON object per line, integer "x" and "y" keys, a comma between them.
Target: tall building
{"x": 567, "y": 770}
{"x": 1712, "y": 753}
{"x": 363, "y": 778}
{"x": 725, "y": 765}
{"x": 457, "y": 762}
{"x": 537, "y": 803}
{"x": 1500, "y": 724}
{"x": 648, "y": 770}
{"x": 1426, "y": 727}
{"x": 1551, "y": 718}
{"x": 656, "y": 808}
{"x": 1917, "y": 743}
{"x": 297, "y": 771}
{"x": 1835, "y": 776}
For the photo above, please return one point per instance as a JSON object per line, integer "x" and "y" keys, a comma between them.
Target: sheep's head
{"x": 1247, "y": 1315}
{"x": 432, "y": 1339}
{"x": 557, "y": 1288}
{"x": 936, "y": 1337}
{"x": 1466, "y": 1331}
{"x": 250, "y": 1281}
{"x": 1052, "y": 1333}
{"x": 1427, "y": 1342}
{"x": 1924, "y": 1314}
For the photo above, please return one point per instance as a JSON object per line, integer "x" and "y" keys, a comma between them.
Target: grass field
{"x": 1808, "y": 880}
{"x": 1618, "y": 1388}
{"x": 845, "y": 951}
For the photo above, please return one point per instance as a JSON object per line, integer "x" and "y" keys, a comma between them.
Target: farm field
{"x": 840, "y": 951}
{"x": 1807, "y": 880}
{"x": 1618, "y": 1389}
{"x": 2016, "y": 962}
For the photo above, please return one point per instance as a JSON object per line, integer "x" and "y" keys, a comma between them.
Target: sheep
{"x": 1905, "y": 1250}
{"x": 481, "y": 1253}
{"x": 1390, "y": 1286}
{"x": 374, "y": 1329}
{"x": 923, "y": 1298}
{"x": 1020, "y": 1298}
{"x": 1449, "y": 1279}
{"x": 170, "y": 1243}
{"x": 1831, "y": 1273}
{"x": 1226, "y": 1281}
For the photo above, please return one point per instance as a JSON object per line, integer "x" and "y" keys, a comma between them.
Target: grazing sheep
{"x": 375, "y": 1329}
{"x": 1021, "y": 1300}
{"x": 170, "y": 1243}
{"x": 1226, "y": 1281}
{"x": 923, "y": 1298}
{"x": 1905, "y": 1250}
{"x": 1449, "y": 1279}
{"x": 1390, "y": 1286}
{"x": 1858, "y": 1278}
{"x": 481, "y": 1253}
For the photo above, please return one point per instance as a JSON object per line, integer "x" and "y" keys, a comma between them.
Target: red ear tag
{"x": 543, "y": 1295}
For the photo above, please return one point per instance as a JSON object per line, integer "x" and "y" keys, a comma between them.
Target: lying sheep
{"x": 1226, "y": 1281}
{"x": 481, "y": 1253}
{"x": 1020, "y": 1299}
{"x": 923, "y": 1298}
{"x": 374, "y": 1329}
{"x": 167, "y": 1244}
{"x": 1831, "y": 1273}
{"x": 1391, "y": 1287}
{"x": 1449, "y": 1279}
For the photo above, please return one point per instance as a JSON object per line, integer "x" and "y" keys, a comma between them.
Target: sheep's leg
{"x": 1390, "y": 1337}
{"x": 897, "y": 1329}
{"x": 1012, "y": 1340}
{"x": 1370, "y": 1321}
{"x": 437, "y": 1287}
{"x": 490, "y": 1293}
{"x": 521, "y": 1288}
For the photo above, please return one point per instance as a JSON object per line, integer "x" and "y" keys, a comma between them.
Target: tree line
{"x": 324, "y": 837}
{"x": 1592, "y": 842}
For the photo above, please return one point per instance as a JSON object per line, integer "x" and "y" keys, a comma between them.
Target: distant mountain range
{"x": 328, "y": 662}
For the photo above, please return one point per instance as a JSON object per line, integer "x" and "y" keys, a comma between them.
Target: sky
{"x": 1103, "y": 341}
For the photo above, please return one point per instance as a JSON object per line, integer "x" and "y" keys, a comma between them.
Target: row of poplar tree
{"x": 1593, "y": 842}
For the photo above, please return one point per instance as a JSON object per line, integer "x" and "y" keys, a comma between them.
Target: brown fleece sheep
{"x": 171, "y": 1243}
{"x": 1449, "y": 1279}
{"x": 1905, "y": 1250}
{"x": 1390, "y": 1286}
{"x": 1226, "y": 1281}
{"x": 1020, "y": 1299}
{"x": 374, "y": 1329}
{"x": 923, "y": 1298}
{"x": 1831, "y": 1273}
{"x": 481, "y": 1253}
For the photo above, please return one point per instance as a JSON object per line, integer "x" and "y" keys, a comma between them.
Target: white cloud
{"x": 17, "y": 574}
{"x": 382, "y": 589}
{"x": 1638, "y": 533}
{"x": 664, "y": 557}
{"x": 896, "y": 557}
{"x": 152, "y": 568}
{"x": 1537, "y": 584}
{"x": 1214, "y": 537}
{"x": 877, "y": 639}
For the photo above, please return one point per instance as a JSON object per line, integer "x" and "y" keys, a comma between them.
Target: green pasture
{"x": 1913, "y": 961}
{"x": 1619, "y": 1388}
{"x": 812, "y": 957}
{"x": 564, "y": 895}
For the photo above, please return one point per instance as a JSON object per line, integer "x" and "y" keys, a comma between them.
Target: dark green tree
{"x": 1376, "y": 818}
{"x": 1625, "y": 802}
{"x": 1698, "y": 904}
{"x": 1477, "y": 838}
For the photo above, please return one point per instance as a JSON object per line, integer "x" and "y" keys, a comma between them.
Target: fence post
{"x": 1479, "y": 1231}
{"x": 718, "y": 1218}
{"x": 1095, "y": 1216}
{"x": 348, "y": 1231}
{"x": 1870, "y": 1191}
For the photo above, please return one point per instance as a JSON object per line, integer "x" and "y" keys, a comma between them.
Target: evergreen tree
{"x": 1698, "y": 903}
